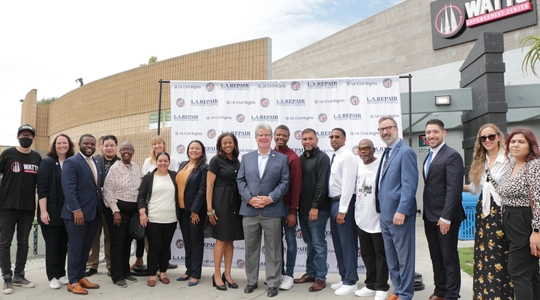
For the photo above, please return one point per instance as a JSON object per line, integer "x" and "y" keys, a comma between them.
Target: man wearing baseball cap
{"x": 18, "y": 166}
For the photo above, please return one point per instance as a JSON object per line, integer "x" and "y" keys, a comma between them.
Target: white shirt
{"x": 148, "y": 166}
{"x": 162, "y": 206}
{"x": 500, "y": 167}
{"x": 435, "y": 152}
{"x": 342, "y": 179}
{"x": 366, "y": 215}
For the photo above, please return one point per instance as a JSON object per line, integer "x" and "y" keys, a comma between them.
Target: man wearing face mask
{"x": 18, "y": 166}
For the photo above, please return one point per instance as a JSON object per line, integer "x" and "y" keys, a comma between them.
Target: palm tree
{"x": 533, "y": 55}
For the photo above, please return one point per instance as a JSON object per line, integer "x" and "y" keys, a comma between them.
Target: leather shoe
{"x": 89, "y": 272}
{"x": 184, "y": 277}
{"x": 305, "y": 278}
{"x": 77, "y": 289}
{"x": 164, "y": 280}
{"x": 433, "y": 297}
{"x": 272, "y": 292}
{"x": 317, "y": 286}
{"x": 392, "y": 297}
{"x": 87, "y": 284}
{"x": 250, "y": 288}
{"x": 151, "y": 283}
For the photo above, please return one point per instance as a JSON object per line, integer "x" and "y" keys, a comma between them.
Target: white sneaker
{"x": 365, "y": 292}
{"x": 336, "y": 285}
{"x": 287, "y": 283}
{"x": 381, "y": 295}
{"x": 346, "y": 290}
{"x": 63, "y": 280}
{"x": 54, "y": 284}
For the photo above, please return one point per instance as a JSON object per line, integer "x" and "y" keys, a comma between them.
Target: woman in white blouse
{"x": 491, "y": 279}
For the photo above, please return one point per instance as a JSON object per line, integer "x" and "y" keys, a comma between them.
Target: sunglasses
{"x": 491, "y": 137}
{"x": 360, "y": 149}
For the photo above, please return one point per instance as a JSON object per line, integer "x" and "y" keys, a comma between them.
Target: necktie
{"x": 91, "y": 164}
{"x": 378, "y": 178}
{"x": 386, "y": 156}
{"x": 428, "y": 162}
{"x": 331, "y": 162}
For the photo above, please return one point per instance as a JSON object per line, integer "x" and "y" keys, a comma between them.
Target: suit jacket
{"x": 195, "y": 190}
{"x": 443, "y": 187}
{"x": 398, "y": 183}
{"x": 274, "y": 183}
{"x": 49, "y": 185}
{"x": 80, "y": 189}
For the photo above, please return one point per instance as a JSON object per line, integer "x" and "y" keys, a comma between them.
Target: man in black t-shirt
{"x": 18, "y": 166}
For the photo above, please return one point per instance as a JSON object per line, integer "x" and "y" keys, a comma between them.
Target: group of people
{"x": 371, "y": 205}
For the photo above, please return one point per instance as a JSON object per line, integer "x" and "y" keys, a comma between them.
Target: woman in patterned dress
{"x": 521, "y": 221}
{"x": 491, "y": 279}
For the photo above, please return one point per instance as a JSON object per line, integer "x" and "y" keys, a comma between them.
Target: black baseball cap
{"x": 27, "y": 127}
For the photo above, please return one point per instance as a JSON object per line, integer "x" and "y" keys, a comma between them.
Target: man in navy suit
{"x": 263, "y": 180}
{"x": 397, "y": 178}
{"x": 81, "y": 183}
{"x": 443, "y": 212}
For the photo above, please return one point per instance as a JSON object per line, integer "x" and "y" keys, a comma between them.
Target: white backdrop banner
{"x": 202, "y": 110}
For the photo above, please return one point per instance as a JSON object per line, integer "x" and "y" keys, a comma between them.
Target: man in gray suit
{"x": 262, "y": 181}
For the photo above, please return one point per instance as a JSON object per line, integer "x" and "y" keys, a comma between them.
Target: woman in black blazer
{"x": 191, "y": 209}
{"x": 51, "y": 200}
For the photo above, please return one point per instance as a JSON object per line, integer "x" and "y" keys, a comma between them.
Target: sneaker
{"x": 336, "y": 285}
{"x": 63, "y": 280}
{"x": 365, "y": 292}
{"x": 131, "y": 278}
{"x": 121, "y": 283}
{"x": 54, "y": 284}
{"x": 7, "y": 288}
{"x": 20, "y": 280}
{"x": 346, "y": 290}
{"x": 287, "y": 283}
{"x": 381, "y": 295}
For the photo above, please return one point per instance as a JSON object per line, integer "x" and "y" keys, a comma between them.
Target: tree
{"x": 47, "y": 101}
{"x": 151, "y": 60}
{"x": 533, "y": 55}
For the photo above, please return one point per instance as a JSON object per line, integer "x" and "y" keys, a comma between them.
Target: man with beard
{"x": 18, "y": 166}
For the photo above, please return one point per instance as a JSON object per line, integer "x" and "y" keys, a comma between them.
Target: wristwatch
{"x": 536, "y": 230}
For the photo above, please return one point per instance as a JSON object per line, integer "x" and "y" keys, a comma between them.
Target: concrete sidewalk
{"x": 35, "y": 272}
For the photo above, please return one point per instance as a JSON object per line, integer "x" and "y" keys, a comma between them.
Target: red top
{"x": 292, "y": 197}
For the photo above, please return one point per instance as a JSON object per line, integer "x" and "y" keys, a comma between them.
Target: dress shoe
{"x": 232, "y": 285}
{"x": 218, "y": 287}
{"x": 305, "y": 278}
{"x": 89, "y": 272}
{"x": 272, "y": 292}
{"x": 184, "y": 277}
{"x": 317, "y": 286}
{"x": 164, "y": 280}
{"x": 434, "y": 297}
{"x": 109, "y": 273}
{"x": 346, "y": 290}
{"x": 171, "y": 266}
{"x": 151, "y": 283}
{"x": 392, "y": 297}
{"x": 193, "y": 283}
{"x": 87, "y": 284}
{"x": 77, "y": 289}
{"x": 250, "y": 288}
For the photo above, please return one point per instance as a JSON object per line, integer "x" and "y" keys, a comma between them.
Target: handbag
{"x": 537, "y": 254}
{"x": 136, "y": 230}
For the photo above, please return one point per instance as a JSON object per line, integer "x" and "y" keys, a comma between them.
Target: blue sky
{"x": 46, "y": 45}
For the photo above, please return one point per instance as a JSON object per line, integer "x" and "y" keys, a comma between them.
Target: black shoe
{"x": 250, "y": 288}
{"x": 219, "y": 287}
{"x": 130, "y": 278}
{"x": 171, "y": 266}
{"x": 89, "y": 272}
{"x": 232, "y": 285}
{"x": 121, "y": 283}
{"x": 109, "y": 273}
{"x": 272, "y": 292}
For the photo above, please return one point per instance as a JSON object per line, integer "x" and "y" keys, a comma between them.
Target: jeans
{"x": 290, "y": 239}
{"x": 9, "y": 219}
{"x": 314, "y": 234}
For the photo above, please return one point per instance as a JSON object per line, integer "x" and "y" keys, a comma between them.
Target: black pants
{"x": 522, "y": 266}
{"x": 22, "y": 220}
{"x": 159, "y": 246}
{"x": 120, "y": 240}
{"x": 193, "y": 235}
{"x": 374, "y": 257}
{"x": 56, "y": 243}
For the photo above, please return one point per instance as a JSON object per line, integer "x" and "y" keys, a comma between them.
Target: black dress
{"x": 226, "y": 200}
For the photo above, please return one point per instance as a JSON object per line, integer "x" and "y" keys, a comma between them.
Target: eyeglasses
{"x": 26, "y": 135}
{"x": 127, "y": 149}
{"x": 491, "y": 137}
{"x": 364, "y": 148}
{"x": 388, "y": 128}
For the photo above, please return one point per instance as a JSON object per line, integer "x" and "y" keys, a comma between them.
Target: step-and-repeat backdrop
{"x": 202, "y": 110}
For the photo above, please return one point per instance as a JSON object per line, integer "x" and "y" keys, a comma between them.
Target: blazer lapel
{"x": 395, "y": 151}
{"x": 271, "y": 158}
{"x": 433, "y": 161}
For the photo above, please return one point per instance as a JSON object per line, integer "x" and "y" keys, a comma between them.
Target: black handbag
{"x": 136, "y": 230}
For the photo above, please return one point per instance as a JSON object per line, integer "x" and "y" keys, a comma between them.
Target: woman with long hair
{"x": 51, "y": 200}
{"x": 191, "y": 209}
{"x": 223, "y": 205}
{"x": 158, "y": 195}
{"x": 491, "y": 279}
{"x": 520, "y": 192}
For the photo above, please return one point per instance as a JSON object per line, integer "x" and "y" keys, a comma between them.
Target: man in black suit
{"x": 81, "y": 183}
{"x": 443, "y": 212}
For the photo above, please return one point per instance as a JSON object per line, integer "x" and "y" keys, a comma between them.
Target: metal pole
{"x": 159, "y": 107}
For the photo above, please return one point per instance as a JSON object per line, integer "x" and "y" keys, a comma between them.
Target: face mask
{"x": 25, "y": 142}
